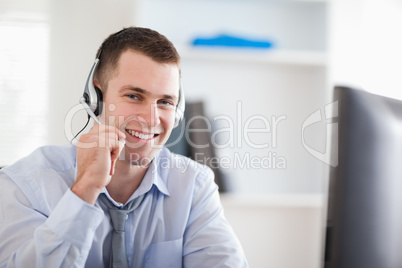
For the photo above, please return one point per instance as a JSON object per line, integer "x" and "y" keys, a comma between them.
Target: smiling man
{"x": 117, "y": 198}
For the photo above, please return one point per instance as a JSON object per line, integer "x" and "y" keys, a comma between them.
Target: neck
{"x": 125, "y": 180}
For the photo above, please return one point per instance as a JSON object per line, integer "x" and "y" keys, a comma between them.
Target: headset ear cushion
{"x": 178, "y": 117}
{"x": 99, "y": 105}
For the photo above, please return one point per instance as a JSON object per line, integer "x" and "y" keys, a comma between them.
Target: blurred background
{"x": 268, "y": 109}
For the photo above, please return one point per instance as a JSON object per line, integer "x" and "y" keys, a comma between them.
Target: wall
{"x": 277, "y": 230}
{"x": 366, "y": 45}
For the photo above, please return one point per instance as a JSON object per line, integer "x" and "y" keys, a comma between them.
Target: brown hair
{"x": 143, "y": 40}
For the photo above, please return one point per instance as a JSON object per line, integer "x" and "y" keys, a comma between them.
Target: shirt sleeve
{"x": 29, "y": 238}
{"x": 209, "y": 240}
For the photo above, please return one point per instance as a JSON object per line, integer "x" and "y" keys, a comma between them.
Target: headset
{"x": 92, "y": 99}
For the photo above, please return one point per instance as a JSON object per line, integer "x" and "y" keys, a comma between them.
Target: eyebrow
{"x": 145, "y": 92}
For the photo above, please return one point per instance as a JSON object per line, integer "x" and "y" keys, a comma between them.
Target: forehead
{"x": 138, "y": 70}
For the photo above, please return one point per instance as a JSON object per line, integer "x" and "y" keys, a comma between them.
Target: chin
{"x": 136, "y": 158}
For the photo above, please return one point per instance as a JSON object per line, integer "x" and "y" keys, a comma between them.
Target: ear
{"x": 97, "y": 84}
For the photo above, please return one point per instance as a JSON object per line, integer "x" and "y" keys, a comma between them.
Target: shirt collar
{"x": 152, "y": 177}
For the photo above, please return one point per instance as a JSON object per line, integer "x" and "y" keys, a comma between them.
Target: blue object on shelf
{"x": 232, "y": 41}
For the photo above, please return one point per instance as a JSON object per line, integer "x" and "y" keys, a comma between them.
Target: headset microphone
{"x": 88, "y": 109}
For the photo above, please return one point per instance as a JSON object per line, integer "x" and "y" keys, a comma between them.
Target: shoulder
{"x": 43, "y": 176}
{"x": 58, "y": 158}
{"x": 179, "y": 164}
{"x": 181, "y": 173}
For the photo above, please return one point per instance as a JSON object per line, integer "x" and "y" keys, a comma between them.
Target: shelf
{"x": 269, "y": 56}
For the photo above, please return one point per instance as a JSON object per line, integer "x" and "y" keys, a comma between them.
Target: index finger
{"x": 105, "y": 128}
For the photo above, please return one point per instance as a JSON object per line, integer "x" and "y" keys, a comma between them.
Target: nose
{"x": 149, "y": 115}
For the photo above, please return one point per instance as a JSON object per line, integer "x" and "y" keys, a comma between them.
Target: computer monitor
{"x": 364, "y": 217}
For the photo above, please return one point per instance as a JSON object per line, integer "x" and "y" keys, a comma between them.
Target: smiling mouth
{"x": 141, "y": 136}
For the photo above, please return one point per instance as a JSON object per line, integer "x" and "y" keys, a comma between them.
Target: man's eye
{"x": 134, "y": 97}
{"x": 166, "y": 102}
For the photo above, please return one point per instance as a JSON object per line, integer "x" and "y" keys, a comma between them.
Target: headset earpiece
{"x": 99, "y": 105}
{"x": 179, "y": 114}
{"x": 93, "y": 96}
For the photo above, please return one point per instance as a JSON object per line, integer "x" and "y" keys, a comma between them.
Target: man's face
{"x": 140, "y": 100}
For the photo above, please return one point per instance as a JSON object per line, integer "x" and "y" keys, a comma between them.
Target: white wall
{"x": 278, "y": 231}
{"x": 366, "y": 45}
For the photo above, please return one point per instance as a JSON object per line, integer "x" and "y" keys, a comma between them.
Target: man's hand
{"x": 97, "y": 153}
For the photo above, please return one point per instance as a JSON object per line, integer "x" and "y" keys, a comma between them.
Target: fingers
{"x": 112, "y": 138}
{"x": 97, "y": 154}
{"x": 108, "y": 129}
{"x": 101, "y": 136}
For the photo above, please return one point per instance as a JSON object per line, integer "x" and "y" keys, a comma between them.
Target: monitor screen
{"x": 364, "y": 217}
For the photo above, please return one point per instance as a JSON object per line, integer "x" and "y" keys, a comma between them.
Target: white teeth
{"x": 141, "y": 135}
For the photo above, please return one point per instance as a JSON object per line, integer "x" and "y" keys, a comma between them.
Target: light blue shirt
{"x": 180, "y": 222}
